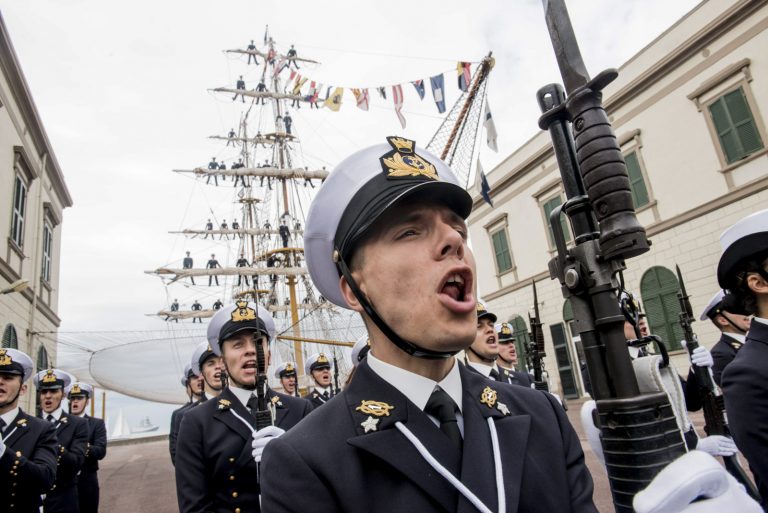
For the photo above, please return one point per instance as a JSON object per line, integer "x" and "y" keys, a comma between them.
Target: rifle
{"x": 715, "y": 420}
{"x": 335, "y": 373}
{"x": 535, "y": 348}
{"x": 639, "y": 433}
{"x": 263, "y": 413}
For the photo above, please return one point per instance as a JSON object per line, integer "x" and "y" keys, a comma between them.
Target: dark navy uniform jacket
{"x": 317, "y": 399}
{"x": 28, "y": 466}
{"x": 173, "y": 435}
{"x": 514, "y": 377}
{"x": 329, "y": 464}
{"x": 723, "y": 353}
{"x": 88, "y": 481}
{"x": 215, "y": 471}
{"x": 72, "y": 435}
{"x": 745, "y": 388}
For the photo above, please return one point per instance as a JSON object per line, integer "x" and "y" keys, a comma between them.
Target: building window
{"x": 548, "y": 206}
{"x": 10, "y": 340}
{"x": 19, "y": 210}
{"x": 501, "y": 250}
{"x": 637, "y": 185}
{"x": 42, "y": 359}
{"x": 658, "y": 288}
{"x": 47, "y": 251}
{"x": 735, "y": 126}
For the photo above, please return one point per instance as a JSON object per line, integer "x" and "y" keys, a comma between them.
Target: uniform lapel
{"x": 227, "y": 402}
{"x": 385, "y": 442}
{"x": 17, "y": 429}
{"x": 281, "y": 409}
{"x": 477, "y": 471}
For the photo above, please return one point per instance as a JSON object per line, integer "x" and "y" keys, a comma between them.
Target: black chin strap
{"x": 8, "y": 403}
{"x": 409, "y": 347}
{"x": 483, "y": 358}
{"x": 743, "y": 332}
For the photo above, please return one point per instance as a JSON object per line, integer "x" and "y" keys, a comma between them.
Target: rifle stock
{"x": 535, "y": 348}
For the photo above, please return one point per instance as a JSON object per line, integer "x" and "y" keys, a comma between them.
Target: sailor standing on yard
{"x": 187, "y": 263}
{"x": 72, "y": 436}
{"x": 79, "y": 395}
{"x": 415, "y": 430}
{"x": 28, "y": 446}
{"x": 213, "y": 264}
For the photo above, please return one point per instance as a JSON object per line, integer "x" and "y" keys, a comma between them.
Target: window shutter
{"x": 636, "y": 182}
{"x": 658, "y": 288}
{"x": 744, "y": 123}
{"x": 724, "y": 129}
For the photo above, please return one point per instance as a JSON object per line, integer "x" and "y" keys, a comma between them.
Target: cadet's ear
{"x": 757, "y": 284}
{"x": 349, "y": 296}
{"x": 23, "y": 389}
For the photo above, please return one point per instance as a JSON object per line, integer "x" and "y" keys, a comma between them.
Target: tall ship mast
{"x": 259, "y": 253}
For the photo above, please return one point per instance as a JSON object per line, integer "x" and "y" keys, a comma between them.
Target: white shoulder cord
{"x": 466, "y": 492}
{"x": 8, "y": 435}
{"x": 272, "y": 412}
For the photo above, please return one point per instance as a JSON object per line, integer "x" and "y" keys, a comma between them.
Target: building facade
{"x": 689, "y": 114}
{"x": 33, "y": 196}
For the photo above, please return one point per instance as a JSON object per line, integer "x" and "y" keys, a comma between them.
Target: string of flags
{"x": 312, "y": 91}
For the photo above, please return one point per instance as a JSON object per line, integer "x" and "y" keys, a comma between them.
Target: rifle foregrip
{"x": 263, "y": 419}
{"x": 604, "y": 174}
{"x": 639, "y": 437}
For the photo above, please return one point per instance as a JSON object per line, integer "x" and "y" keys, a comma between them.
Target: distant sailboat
{"x": 121, "y": 429}
{"x": 145, "y": 426}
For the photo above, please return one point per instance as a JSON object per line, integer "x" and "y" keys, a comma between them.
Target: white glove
{"x": 261, "y": 438}
{"x": 717, "y": 445}
{"x": 591, "y": 431}
{"x": 701, "y": 357}
{"x": 689, "y": 477}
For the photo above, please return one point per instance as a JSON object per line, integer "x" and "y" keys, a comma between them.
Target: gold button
{"x": 231, "y": 478}
{"x": 237, "y": 510}
{"x": 231, "y": 460}
{"x": 234, "y": 494}
{"x": 18, "y": 454}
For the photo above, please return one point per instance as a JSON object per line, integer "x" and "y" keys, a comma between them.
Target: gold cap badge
{"x": 404, "y": 162}
{"x": 75, "y": 390}
{"x": 505, "y": 329}
{"x": 289, "y": 368}
{"x": 243, "y": 312}
{"x": 375, "y": 408}
{"x": 49, "y": 377}
{"x": 5, "y": 359}
{"x": 322, "y": 358}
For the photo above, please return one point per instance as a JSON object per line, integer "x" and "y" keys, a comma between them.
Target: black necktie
{"x": 253, "y": 404}
{"x": 326, "y": 395}
{"x": 495, "y": 374}
{"x": 2, "y": 426}
{"x": 49, "y": 418}
{"x": 442, "y": 407}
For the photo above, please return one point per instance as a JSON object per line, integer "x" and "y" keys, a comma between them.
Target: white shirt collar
{"x": 737, "y": 336}
{"x": 56, "y": 414}
{"x": 82, "y": 415}
{"x": 415, "y": 387}
{"x": 760, "y": 319}
{"x": 483, "y": 368}
{"x": 322, "y": 390}
{"x": 242, "y": 394}
{"x": 10, "y": 416}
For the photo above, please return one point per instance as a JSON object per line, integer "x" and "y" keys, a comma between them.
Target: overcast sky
{"x": 122, "y": 90}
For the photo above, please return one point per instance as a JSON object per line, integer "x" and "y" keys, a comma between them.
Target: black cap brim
{"x": 380, "y": 194}
{"x": 231, "y": 328}
{"x": 489, "y": 315}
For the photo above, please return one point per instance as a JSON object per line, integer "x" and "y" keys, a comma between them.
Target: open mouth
{"x": 491, "y": 341}
{"x": 250, "y": 364}
{"x": 456, "y": 290}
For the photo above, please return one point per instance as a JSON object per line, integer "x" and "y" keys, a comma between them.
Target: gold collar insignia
{"x": 488, "y": 397}
{"x": 224, "y": 404}
{"x": 375, "y": 408}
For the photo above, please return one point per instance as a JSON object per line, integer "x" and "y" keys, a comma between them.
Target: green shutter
{"x": 520, "y": 329}
{"x": 10, "y": 340}
{"x": 636, "y": 182}
{"x": 735, "y": 126}
{"x": 659, "y": 292}
{"x": 567, "y": 311}
{"x": 501, "y": 250}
